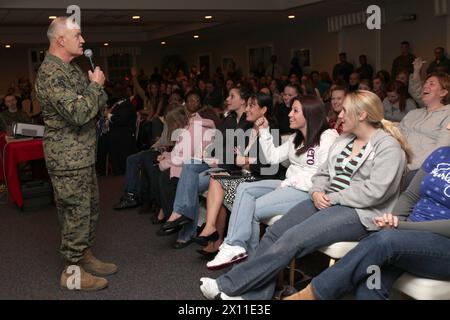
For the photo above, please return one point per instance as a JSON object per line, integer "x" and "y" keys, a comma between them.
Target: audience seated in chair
{"x": 415, "y": 238}
{"x": 307, "y": 149}
{"x": 359, "y": 181}
{"x": 425, "y": 128}
{"x": 222, "y": 186}
{"x": 194, "y": 179}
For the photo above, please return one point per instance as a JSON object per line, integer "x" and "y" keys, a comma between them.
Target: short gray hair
{"x": 59, "y": 24}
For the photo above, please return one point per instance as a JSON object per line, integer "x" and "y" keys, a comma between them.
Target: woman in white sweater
{"x": 306, "y": 149}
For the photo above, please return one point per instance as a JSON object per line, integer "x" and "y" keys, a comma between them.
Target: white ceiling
{"x": 25, "y": 21}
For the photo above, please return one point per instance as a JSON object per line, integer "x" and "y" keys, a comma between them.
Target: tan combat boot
{"x": 87, "y": 281}
{"x": 305, "y": 294}
{"x": 93, "y": 265}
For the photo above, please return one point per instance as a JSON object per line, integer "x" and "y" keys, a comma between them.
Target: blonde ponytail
{"x": 366, "y": 101}
{"x": 390, "y": 128}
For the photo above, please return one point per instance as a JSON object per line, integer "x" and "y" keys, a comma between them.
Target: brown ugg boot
{"x": 305, "y": 294}
{"x": 91, "y": 264}
{"x": 87, "y": 281}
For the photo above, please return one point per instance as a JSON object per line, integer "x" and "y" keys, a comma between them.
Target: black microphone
{"x": 88, "y": 54}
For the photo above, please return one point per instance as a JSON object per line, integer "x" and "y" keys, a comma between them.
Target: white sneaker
{"x": 227, "y": 255}
{"x": 209, "y": 288}
{"x": 224, "y": 296}
{"x": 211, "y": 291}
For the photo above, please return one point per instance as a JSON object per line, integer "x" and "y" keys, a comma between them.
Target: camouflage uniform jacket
{"x": 69, "y": 107}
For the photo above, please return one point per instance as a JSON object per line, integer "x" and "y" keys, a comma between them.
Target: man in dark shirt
{"x": 365, "y": 70}
{"x": 343, "y": 69}
{"x": 12, "y": 114}
{"x": 441, "y": 63}
{"x": 404, "y": 61}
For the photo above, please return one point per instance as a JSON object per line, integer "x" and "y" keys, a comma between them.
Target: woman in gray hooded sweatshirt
{"x": 360, "y": 180}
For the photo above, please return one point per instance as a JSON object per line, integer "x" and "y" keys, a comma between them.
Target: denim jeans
{"x": 254, "y": 203}
{"x": 301, "y": 231}
{"x": 421, "y": 253}
{"x": 135, "y": 162}
{"x": 194, "y": 180}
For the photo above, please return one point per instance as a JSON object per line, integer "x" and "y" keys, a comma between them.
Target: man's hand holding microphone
{"x": 97, "y": 76}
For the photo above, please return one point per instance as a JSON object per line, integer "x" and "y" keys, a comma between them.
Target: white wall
{"x": 13, "y": 64}
{"x": 424, "y": 34}
{"x": 381, "y": 47}
{"x": 297, "y": 35}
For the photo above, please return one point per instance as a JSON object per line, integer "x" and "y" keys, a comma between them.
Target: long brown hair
{"x": 316, "y": 123}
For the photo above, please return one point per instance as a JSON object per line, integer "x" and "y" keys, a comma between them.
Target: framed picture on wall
{"x": 303, "y": 56}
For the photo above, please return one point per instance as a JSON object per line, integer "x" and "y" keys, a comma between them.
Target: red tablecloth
{"x": 12, "y": 155}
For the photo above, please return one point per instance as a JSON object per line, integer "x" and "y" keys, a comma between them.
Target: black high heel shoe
{"x": 179, "y": 222}
{"x": 203, "y": 240}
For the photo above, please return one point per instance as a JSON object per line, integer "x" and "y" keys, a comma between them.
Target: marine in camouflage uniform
{"x": 70, "y": 104}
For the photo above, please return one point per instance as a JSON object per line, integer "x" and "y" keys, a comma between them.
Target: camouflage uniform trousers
{"x": 77, "y": 204}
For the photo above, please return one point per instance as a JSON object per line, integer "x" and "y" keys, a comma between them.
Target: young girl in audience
{"x": 414, "y": 238}
{"x": 397, "y": 104}
{"x": 222, "y": 188}
{"x": 337, "y": 98}
{"x": 379, "y": 88}
{"x": 359, "y": 181}
{"x": 365, "y": 84}
{"x": 425, "y": 128}
{"x": 306, "y": 149}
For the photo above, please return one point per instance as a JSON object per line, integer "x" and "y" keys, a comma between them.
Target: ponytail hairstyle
{"x": 367, "y": 101}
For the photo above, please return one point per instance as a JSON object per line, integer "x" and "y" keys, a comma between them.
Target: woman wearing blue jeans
{"x": 306, "y": 149}
{"x": 194, "y": 178}
{"x": 420, "y": 245}
{"x": 360, "y": 180}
